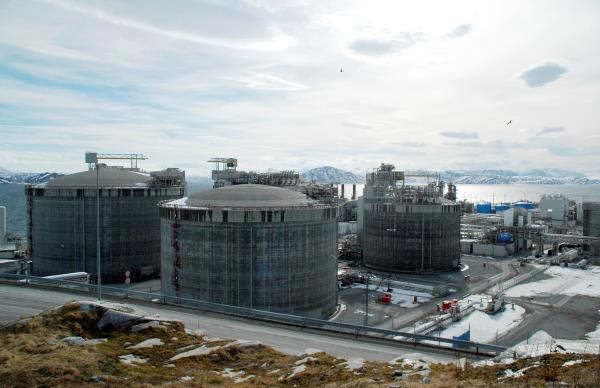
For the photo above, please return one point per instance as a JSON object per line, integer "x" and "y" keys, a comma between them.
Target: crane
{"x": 229, "y": 163}
{"x": 92, "y": 158}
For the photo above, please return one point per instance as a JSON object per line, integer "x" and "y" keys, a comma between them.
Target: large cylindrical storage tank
{"x": 591, "y": 219}
{"x": 501, "y": 207}
{"x": 527, "y": 205}
{"x": 62, "y": 222}
{"x": 411, "y": 237}
{"x": 252, "y": 246}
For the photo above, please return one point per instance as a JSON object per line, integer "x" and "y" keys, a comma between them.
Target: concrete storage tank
{"x": 591, "y": 226}
{"x": 408, "y": 228}
{"x": 62, "y": 222}
{"x": 254, "y": 246}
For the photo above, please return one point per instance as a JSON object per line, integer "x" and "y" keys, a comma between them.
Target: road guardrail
{"x": 406, "y": 338}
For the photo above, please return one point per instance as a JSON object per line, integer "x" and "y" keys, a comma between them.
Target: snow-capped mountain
{"x": 328, "y": 174}
{"x": 5, "y": 173}
{"x": 542, "y": 177}
{"x": 26, "y": 177}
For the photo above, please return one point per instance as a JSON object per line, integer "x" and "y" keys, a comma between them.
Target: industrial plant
{"x": 408, "y": 227}
{"x": 275, "y": 242}
{"x": 254, "y": 246}
{"x": 227, "y": 174}
{"x": 63, "y": 217}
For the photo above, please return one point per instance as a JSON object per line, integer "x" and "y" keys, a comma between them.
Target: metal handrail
{"x": 245, "y": 312}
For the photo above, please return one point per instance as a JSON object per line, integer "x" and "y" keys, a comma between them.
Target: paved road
{"x": 18, "y": 301}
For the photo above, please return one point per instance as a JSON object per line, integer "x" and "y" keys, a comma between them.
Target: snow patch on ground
{"x": 204, "y": 350}
{"x": 214, "y": 339}
{"x": 564, "y": 281}
{"x": 309, "y": 352}
{"x": 230, "y": 373}
{"x": 149, "y": 343}
{"x": 354, "y": 363}
{"x": 196, "y": 332}
{"x": 485, "y": 327}
{"x": 236, "y": 376}
{"x": 242, "y": 379}
{"x": 199, "y": 351}
{"x": 541, "y": 343}
{"x": 80, "y": 341}
{"x": 305, "y": 360}
{"x": 573, "y": 362}
{"x": 509, "y": 373}
{"x": 297, "y": 370}
{"x": 414, "y": 360}
{"x": 131, "y": 359}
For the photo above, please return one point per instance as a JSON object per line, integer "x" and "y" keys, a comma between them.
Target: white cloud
{"x": 549, "y": 130}
{"x": 277, "y": 41}
{"x": 460, "y": 30}
{"x": 269, "y": 82}
{"x": 260, "y": 80}
{"x": 460, "y": 135}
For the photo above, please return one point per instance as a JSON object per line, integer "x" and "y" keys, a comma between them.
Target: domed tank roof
{"x": 249, "y": 196}
{"x": 109, "y": 177}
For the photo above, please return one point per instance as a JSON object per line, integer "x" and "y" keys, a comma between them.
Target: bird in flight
{"x": 510, "y": 121}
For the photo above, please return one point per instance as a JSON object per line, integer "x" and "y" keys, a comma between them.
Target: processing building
{"x": 227, "y": 174}
{"x": 62, "y": 222}
{"x": 408, "y": 227}
{"x": 254, "y": 246}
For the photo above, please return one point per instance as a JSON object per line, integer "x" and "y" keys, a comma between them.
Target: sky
{"x": 298, "y": 84}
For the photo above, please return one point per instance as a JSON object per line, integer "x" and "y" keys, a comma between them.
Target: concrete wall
{"x": 267, "y": 264}
{"x": 411, "y": 237}
{"x": 480, "y": 249}
{"x": 591, "y": 219}
{"x": 62, "y": 234}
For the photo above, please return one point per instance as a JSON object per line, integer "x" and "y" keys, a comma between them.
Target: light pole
{"x": 98, "y": 266}
{"x": 92, "y": 157}
{"x": 367, "y": 303}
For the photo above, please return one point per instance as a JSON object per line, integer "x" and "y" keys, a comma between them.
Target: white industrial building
{"x": 7, "y": 250}
{"x": 555, "y": 207}
{"x": 517, "y": 216}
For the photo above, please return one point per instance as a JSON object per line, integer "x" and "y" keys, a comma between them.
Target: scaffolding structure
{"x": 226, "y": 174}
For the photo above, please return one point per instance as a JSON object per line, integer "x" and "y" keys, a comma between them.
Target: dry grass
{"x": 30, "y": 355}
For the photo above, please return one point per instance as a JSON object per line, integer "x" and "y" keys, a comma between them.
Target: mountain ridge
{"x": 330, "y": 174}
{"x": 28, "y": 177}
